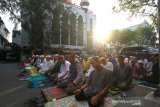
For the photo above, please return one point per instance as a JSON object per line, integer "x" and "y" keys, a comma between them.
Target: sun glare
{"x": 100, "y": 35}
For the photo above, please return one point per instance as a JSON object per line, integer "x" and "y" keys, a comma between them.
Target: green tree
{"x": 146, "y": 35}
{"x": 114, "y": 35}
{"x": 126, "y": 37}
{"x": 143, "y": 8}
{"x": 32, "y": 14}
{"x": 121, "y": 37}
{"x": 13, "y": 7}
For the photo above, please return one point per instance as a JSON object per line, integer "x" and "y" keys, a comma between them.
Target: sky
{"x": 105, "y": 19}
{"x": 9, "y": 25}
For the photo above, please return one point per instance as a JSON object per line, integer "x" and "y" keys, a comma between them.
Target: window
{"x": 73, "y": 30}
{"x": 80, "y": 31}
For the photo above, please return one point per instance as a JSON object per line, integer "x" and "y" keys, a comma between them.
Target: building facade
{"x": 73, "y": 31}
{"x": 3, "y": 34}
{"x": 3, "y": 37}
{"x": 134, "y": 27}
{"x": 16, "y": 37}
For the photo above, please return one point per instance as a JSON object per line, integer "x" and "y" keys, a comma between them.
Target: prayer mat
{"x": 69, "y": 101}
{"x": 138, "y": 82}
{"x": 108, "y": 102}
{"x": 34, "y": 74}
{"x": 38, "y": 78}
{"x": 54, "y": 93}
{"x": 30, "y": 72}
{"x": 31, "y": 68}
{"x": 150, "y": 97}
{"x": 113, "y": 91}
{"x": 40, "y": 82}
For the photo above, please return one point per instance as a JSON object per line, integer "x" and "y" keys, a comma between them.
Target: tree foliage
{"x": 142, "y": 35}
{"x": 126, "y": 36}
{"x": 114, "y": 36}
{"x": 13, "y": 8}
{"x": 146, "y": 35}
{"x": 32, "y": 14}
{"x": 147, "y": 8}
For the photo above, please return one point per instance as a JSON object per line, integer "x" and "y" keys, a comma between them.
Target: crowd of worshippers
{"x": 90, "y": 77}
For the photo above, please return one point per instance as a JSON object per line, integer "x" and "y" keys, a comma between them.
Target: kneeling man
{"x": 74, "y": 78}
{"x": 122, "y": 77}
{"x": 97, "y": 85}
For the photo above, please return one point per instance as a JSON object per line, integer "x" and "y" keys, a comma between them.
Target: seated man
{"x": 106, "y": 64}
{"x": 122, "y": 77}
{"x": 149, "y": 65}
{"x": 153, "y": 76}
{"x": 64, "y": 69}
{"x": 55, "y": 68}
{"x": 97, "y": 85}
{"x": 140, "y": 71}
{"x": 89, "y": 71}
{"x": 113, "y": 61}
{"x": 44, "y": 66}
{"x": 50, "y": 62}
{"x": 41, "y": 62}
{"x": 51, "y": 73}
{"x": 74, "y": 78}
{"x": 133, "y": 64}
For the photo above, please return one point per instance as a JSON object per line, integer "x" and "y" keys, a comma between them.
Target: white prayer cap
{"x": 125, "y": 59}
{"x": 145, "y": 61}
{"x": 140, "y": 62}
{"x": 48, "y": 56}
{"x": 42, "y": 56}
{"x": 56, "y": 55}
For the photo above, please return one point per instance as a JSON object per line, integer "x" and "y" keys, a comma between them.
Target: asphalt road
{"x": 13, "y": 92}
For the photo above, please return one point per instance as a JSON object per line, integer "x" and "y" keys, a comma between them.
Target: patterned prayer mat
{"x": 54, "y": 93}
{"x": 69, "y": 101}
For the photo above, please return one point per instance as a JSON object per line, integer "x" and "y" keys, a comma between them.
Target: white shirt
{"x": 145, "y": 61}
{"x": 64, "y": 69}
{"x": 44, "y": 64}
{"x": 89, "y": 71}
{"x": 109, "y": 66}
{"x": 149, "y": 66}
{"x": 38, "y": 61}
{"x": 50, "y": 64}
